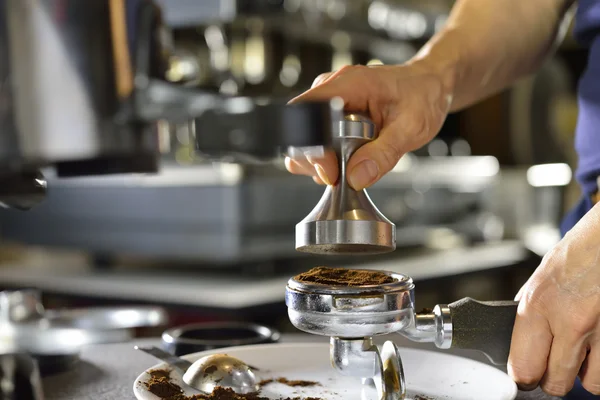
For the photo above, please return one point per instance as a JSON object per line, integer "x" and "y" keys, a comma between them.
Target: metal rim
{"x": 263, "y": 333}
{"x": 357, "y": 126}
{"x": 403, "y": 283}
{"x": 107, "y": 318}
{"x": 379, "y": 235}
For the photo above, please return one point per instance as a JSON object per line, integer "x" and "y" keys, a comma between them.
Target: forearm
{"x": 486, "y": 45}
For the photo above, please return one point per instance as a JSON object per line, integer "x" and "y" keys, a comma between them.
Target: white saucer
{"x": 429, "y": 374}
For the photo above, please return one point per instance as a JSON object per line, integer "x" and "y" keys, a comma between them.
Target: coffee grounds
{"x": 344, "y": 277}
{"x": 160, "y": 373}
{"x": 161, "y": 386}
{"x": 221, "y": 393}
{"x": 285, "y": 381}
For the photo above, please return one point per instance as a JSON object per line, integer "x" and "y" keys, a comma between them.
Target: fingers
{"x": 320, "y": 79}
{"x": 299, "y": 167}
{"x": 566, "y": 356}
{"x": 325, "y": 168}
{"x": 318, "y": 180}
{"x": 590, "y": 374}
{"x": 302, "y": 168}
{"x": 356, "y": 85}
{"x": 530, "y": 347}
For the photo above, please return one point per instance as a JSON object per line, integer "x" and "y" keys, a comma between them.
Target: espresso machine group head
{"x": 83, "y": 87}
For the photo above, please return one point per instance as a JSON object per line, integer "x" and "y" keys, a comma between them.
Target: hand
{"x": 408, "y": 103}
{"x": 557, "y": 331}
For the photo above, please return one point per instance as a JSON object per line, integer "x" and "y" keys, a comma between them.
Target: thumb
{"x": 375, "y": 159}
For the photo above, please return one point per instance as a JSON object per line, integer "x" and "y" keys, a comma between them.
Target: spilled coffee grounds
{"x": 160, "y": 385}
{"x": 344, "y": 277}
{"x": 288, "y": 382}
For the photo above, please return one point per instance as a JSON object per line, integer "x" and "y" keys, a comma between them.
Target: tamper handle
{"x": 354, "y": 131}
{"x": 486, "y": 326}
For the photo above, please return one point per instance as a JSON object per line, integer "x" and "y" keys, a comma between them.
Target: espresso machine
{"x": 84, "y": 89}
{"x": 206, "y": 101}
{"x": 157, "y": 128}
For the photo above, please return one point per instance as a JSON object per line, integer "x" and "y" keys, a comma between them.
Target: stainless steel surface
{"x": 26, "y": 327}
{"x": 365, "y": 311}
{"x": 87, "y": 85}
{"x": 227, "y": 225}
{"x": 70, "y": 70}
{"x": 181, "y": 365}
{"x": 191, "y": 338}
{"x": 228, "y": 372}
{"x": 22, "y": 191}
{"x": 211, "y": 371}
{"x": 20, "y": 305}
{"x": 431, "y": 327}
{"x": 119, "y": 69}
{"x": 353, "y": 315}
{"x": 346, "y": 221}
{"x": 36, "y": 338}
{"x": 393, "y": 372}
{"x": 20, "y": 378}
{"x": 355, "y": 357}
{"x": 107, "y": 318}
{"x": 351, "y": 312}
{"x": 361, "y": 358}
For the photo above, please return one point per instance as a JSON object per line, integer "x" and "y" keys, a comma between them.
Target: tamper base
{"x": 349, "y": 237}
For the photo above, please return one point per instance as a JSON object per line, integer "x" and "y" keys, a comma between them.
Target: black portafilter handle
{"x": 486, "y": 326}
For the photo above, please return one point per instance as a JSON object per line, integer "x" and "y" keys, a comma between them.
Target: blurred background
{"x": 475, "y": 209}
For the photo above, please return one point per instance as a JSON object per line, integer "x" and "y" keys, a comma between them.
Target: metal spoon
{"x": 210, "y": 371}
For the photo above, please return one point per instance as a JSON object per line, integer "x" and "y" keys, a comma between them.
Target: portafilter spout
{"x": 346, "y": 221}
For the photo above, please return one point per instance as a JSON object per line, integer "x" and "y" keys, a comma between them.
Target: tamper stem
{"x": 354, "y": 132}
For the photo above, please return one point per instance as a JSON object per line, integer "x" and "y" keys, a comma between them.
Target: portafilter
{"x": 353, "y": 315}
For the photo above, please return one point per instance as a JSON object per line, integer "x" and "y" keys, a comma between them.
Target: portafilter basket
{"x": 353, "y": 315}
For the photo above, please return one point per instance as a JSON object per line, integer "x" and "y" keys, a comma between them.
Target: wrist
{"x": 441, "y": 57}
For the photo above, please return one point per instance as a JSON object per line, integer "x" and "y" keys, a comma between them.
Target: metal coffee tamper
{"x": 346, "y": 221}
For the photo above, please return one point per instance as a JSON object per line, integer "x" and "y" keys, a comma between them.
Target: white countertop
{"x": 107, "y": 372}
